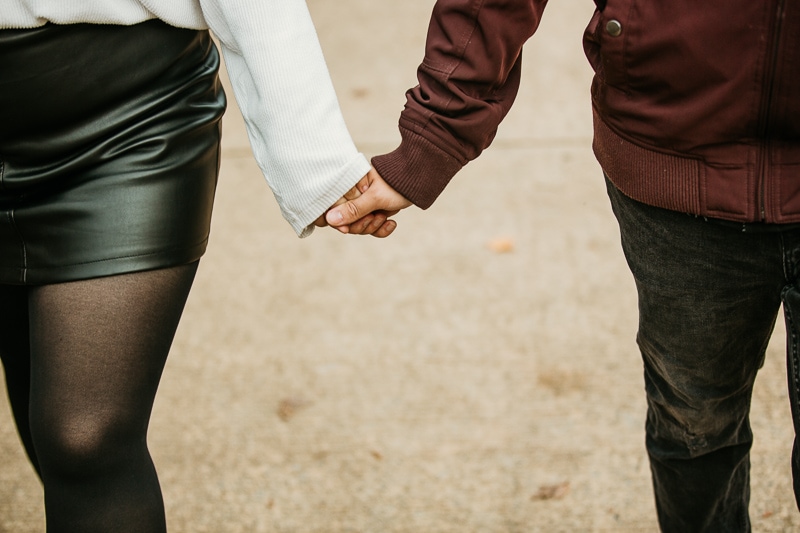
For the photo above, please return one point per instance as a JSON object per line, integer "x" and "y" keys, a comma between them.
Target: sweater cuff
{"x": 417, "y": 169}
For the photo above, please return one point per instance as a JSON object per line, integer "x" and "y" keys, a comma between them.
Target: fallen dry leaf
{"x": 501, "y": 245}
{"x": 562, "y": 380}
{"x": 551, "y": 492}
{"x": 288, "y": 407}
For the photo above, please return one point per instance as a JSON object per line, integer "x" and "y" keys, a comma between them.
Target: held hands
{"x": 365, "y": 209}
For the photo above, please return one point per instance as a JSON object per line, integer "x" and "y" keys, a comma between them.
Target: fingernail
{"x": 334, "y": 217}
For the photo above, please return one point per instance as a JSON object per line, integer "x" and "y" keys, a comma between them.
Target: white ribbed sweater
{"x": 279, "y": 78}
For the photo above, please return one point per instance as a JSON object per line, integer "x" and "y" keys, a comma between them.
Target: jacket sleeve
{"x": 284, "y": 91}
{"x": 467, "y": 83}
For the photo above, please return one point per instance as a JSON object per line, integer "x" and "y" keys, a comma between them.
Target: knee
{"x": 80, "y": 449}
{"x": 683, "y": 431}
{"x": 693, "y": 410}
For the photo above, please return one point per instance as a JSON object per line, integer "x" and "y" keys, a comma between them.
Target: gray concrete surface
{"x": 476, "y": 372}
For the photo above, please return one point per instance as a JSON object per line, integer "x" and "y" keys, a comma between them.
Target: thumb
{"x": 353, "y": 210}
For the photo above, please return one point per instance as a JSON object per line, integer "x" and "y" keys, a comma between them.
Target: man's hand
{"x": 367, "y": 210}
{"x": 352, "y": 194}
{"x": 371, "y": 224}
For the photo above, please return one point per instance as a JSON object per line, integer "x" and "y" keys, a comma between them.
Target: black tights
{"x": 83, "y": 361}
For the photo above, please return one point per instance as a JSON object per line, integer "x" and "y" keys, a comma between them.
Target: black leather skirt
{"x": 109, "y": 149}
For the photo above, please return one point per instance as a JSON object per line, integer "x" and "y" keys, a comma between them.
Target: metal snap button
{"x": 614, "y": 28}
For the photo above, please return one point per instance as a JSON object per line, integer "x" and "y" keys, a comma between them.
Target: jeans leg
{"x": 791, "y": 311}
{"x": 708, "y": 299}
{"x": 791, "y": 306}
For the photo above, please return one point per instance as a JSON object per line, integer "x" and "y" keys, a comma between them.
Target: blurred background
{"x": 475, "y": 372}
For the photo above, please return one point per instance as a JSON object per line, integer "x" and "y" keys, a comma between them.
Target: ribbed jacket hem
{"x": 654, "y": 178}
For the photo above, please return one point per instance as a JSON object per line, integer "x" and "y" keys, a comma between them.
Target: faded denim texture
{"x": 709, "y": 294}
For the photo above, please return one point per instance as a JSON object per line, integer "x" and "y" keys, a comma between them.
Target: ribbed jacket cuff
{"x": 417, "y": 169}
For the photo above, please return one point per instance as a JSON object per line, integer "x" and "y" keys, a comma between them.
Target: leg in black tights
{"x": 97, "y": 350}
{"x": 15, "y": 353}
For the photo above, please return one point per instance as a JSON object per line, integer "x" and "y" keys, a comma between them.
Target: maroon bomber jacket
{"x": 696, "y": 104}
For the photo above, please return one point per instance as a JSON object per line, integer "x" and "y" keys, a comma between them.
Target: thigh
{"x": 98, "y": 348}
{"x": 14, "y": 340}
{"x": 15, "y": 351}
{"x": 709, "y": 295}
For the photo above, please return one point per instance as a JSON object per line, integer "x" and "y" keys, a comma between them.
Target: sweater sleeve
{"x": 467, "y": 83}
{"x": 284, "y": 91}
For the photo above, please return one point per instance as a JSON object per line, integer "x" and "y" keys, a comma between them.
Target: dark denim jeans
{"x": 709, "y": 294}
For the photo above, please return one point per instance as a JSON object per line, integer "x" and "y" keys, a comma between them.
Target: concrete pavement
{"x": 475, "y": 373}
